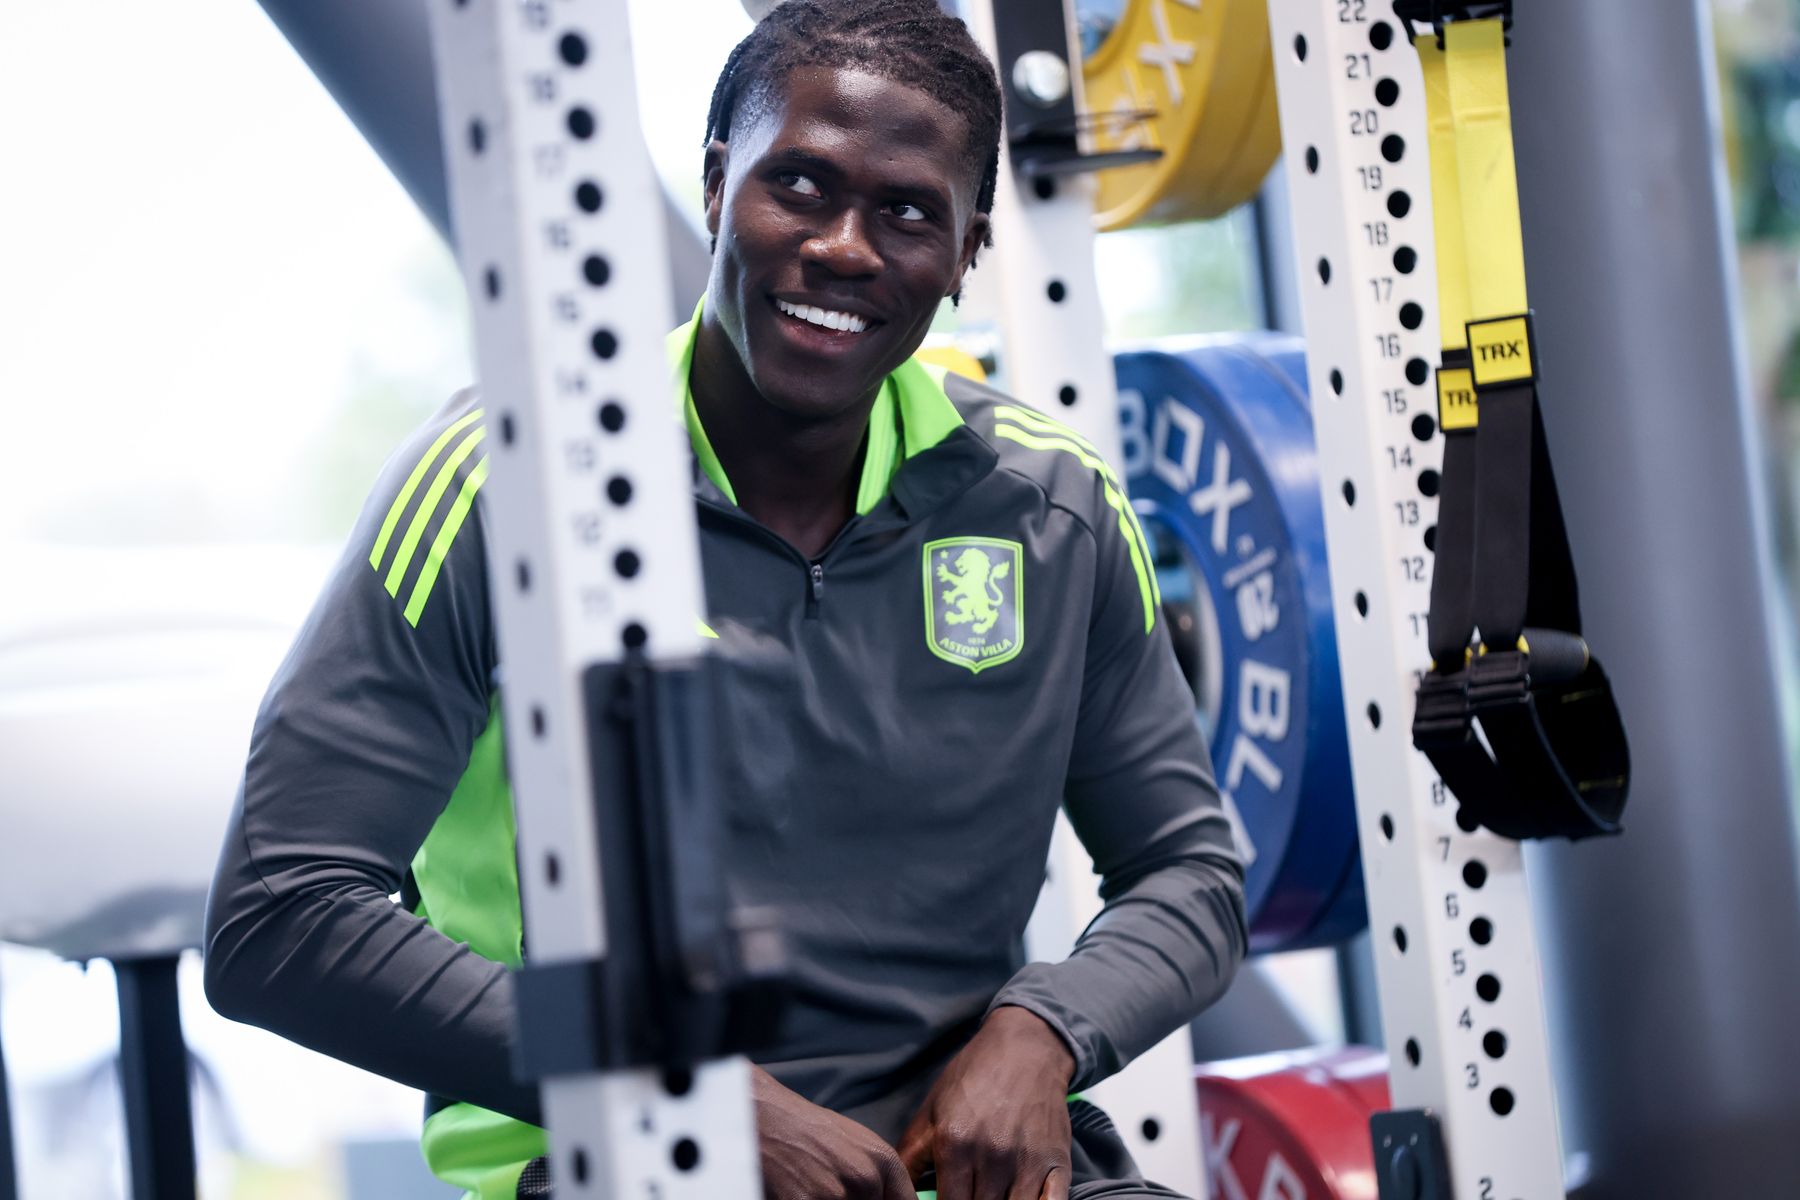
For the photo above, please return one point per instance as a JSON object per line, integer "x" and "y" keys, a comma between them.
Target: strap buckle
{"x": 1436, "y": 13}
{"x": 1499, "y": 678}
{"x": 1441, "y": 715}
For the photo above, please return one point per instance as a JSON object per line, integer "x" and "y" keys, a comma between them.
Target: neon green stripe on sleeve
{"x": 1038, "y": 423}
{"x": 440, "y": 545}
{"x": 412, "y": 485}
{"x": 1140, "y": 559}
{"x": 416, "y": 530}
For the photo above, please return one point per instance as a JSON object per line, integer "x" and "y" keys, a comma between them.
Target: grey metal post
{"x": 1671, "y": 954}
{"x": 376, "y": 61}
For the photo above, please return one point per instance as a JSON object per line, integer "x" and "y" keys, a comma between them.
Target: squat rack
{"x": 560, "y": 225}
{"x": 653, "y": 1143}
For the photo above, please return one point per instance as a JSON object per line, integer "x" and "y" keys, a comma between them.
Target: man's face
{"x": 849, "y": 194}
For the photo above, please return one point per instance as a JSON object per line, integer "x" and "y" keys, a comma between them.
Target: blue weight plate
{"x": 1219, "y": 458}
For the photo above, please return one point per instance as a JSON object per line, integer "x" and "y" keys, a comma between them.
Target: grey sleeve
{"x": 1141, "y": 797}
{"x": 362, "y": 737}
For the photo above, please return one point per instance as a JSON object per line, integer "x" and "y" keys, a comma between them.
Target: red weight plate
{"x": 1290, "y": 1126}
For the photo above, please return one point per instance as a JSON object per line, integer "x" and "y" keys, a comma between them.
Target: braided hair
{"x": 910, "y": 42}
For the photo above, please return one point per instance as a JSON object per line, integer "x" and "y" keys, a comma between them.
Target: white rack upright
{"x": 593, "y": 545}
{"x": 1456, "y": 956}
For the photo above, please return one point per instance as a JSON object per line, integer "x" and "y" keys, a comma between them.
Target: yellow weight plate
{"x": 1202, "y": 67}
{"x": 954, "y": 359}
{"x": 1243, "y": 176}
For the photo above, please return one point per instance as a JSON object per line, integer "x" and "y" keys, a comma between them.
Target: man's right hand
{"x": 812, "y": 1153}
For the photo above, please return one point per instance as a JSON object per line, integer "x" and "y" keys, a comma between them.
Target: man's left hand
{"x": 996, "y": 1123}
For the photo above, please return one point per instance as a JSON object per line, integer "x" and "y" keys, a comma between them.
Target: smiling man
{"x": 891, "y": 768}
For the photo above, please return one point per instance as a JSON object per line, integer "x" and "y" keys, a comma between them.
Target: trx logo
{"x": 1502, "y": 350}
{"x": 1456, "y": 399}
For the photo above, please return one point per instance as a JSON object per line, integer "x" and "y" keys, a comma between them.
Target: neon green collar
{"x": 911, "y": 415}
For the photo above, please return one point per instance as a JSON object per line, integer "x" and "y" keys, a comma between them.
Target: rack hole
{"x": 627, "y": 564}
{"x": 539, "y": 722}
{"x": 1312, "y": 160}
{"x": 1411, "y": 315}
{"x": 582, "y": 125}
{"x": 552, "y": 869}
{"x": 1387, "y": 827}
{"x": 678, "y": 1081}
{"x": 1424, "y": 427}
{"x": 612, "y": 416}
{"x": 1481, "y": 931}
{"x": 572, "y": 48}
{"x": 1386, "y": 92}
{"x": 618, "y": 490}
{"x": 477, "y": 136}
{"x": 605, "y": 343}
{"x": 1501, "y": 1101}
{"x": 490, "y": 283}
{"x": 1056, "y": 291}
{"x": 1399, "y": 203}
{"x": 1493, "y": 1042}
{"x": 686, "y": 1154}
{"x": 507, "y": 431}
{"x": 587, "y": 196}
{"x": 1413, "y": 1056}
{"x": 1488, "y": 988}
{"x": 1067, "y": 395}
{"x": 1475, "y": 873}
{"x": 1043, "y": 187}
{"x": 1428, "y": 482}
{"x": 1300, "y": 46}
{"x": 1381, "y": 35}
{"x": 1362, "y": 604}
{"x": 1349, "y": 493}
{"x": 1400, "y": 938}
{"x": 1151, "y": 1129}
{"x": 578, "y": 1165}
{"x": 524, "y": 573}
{"x": 1324, "y": 270}
{"x": 633, "y": 636}
{"x": 1393, "y": 147}
{"x": 1417, "y": 371}
{"x": 1430, "y": 538}
{"x": 1337, "y": 382}
{"x": 1406, "y": 259}
{"x": 1466, "y": 821}
{"x": 596, "y": 270}
{"x": 1374, "y": 712}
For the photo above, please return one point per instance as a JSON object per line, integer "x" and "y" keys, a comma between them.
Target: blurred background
{"x": 219, "y": 312}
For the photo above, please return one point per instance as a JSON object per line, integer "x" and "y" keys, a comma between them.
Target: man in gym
{"x": 890, "y": 771}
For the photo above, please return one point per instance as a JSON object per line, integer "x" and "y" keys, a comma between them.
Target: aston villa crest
{"x": 974, "y": 608}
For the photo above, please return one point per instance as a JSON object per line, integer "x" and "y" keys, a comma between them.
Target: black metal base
{"x": 153, "y": 1075}
{"x": 9, "y": 1172}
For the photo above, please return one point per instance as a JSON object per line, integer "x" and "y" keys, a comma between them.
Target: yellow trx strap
{"x": 1488, "y": 194}
{"x": 1552, "y": 760}
{"x": 1456, "y": 390}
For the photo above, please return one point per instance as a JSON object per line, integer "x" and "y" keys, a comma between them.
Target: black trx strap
{"x": 1521, "y": 725}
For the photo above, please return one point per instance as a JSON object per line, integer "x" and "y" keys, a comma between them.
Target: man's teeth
{"x": 813, "y": 315}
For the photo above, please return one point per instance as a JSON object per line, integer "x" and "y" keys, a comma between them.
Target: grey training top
{"x": 891, "y": 799}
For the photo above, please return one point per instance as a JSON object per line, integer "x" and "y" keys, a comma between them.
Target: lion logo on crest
{"x": 974, "y": 600}
{"x": 974, "y": 593}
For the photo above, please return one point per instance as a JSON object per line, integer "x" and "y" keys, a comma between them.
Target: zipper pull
{"x": 818, "y": 581}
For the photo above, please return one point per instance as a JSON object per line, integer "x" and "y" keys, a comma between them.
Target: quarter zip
{"x": 815, "y": 568}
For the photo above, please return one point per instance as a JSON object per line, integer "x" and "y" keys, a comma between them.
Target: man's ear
{"x": 713, "y": 175}
{"x": 973, "y": 239}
